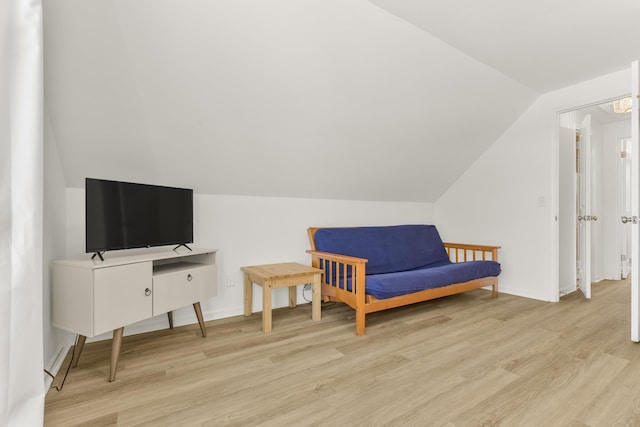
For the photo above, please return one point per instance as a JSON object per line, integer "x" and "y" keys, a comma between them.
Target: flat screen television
{"x": 125, "y": 215}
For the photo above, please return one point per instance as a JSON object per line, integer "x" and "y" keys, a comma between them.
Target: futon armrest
{"x": 471, "y": 246}
{"x": 460, "y": 252}
{"x": 339, "y": 270}
{"x": 346, "y": 259}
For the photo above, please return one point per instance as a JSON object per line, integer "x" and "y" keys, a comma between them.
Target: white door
{"x": 567, "y": 213}
{"x": 635, "y": 187}
{"x": 583, "y": 205}
{"x": 624, "y": 206}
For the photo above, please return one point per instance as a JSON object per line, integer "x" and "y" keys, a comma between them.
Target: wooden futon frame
{"x": 363, "y": 304}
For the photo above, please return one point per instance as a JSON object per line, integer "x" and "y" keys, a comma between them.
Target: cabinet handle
{"x": 189, "y": 277}
{"x": 147, "y": 292}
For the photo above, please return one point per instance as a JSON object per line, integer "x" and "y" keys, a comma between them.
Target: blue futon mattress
{"x": 389, "y": 285}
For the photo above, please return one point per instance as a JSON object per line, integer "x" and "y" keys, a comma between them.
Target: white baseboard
{"x": 526, "y": 293}
{"x": 54, "y": 365}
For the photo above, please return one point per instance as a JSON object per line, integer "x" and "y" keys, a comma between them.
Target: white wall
{"x": 54, "y": 242}
{"x": 254, "y": 230}
{"x": 497, "y": 200}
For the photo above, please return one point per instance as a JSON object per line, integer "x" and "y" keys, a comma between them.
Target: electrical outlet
{"x": 229, "y": 283}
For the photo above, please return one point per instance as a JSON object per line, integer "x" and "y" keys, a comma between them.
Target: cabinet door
{"x": 176, "y": 288}
{"x": 120, "y": 295}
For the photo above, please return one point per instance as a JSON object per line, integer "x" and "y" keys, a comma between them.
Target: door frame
{"x": 635, "y": 208}
{"x": 556, "y": 183}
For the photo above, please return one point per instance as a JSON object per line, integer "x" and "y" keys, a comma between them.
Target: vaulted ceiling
{"x": 342, "y": 99}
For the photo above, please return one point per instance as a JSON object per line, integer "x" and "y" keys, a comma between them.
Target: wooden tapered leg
{"x": 115, "y": 352}
{"x": 78, "y": 350}
{"x": 198, "y": 310}
{"x": 170, "y": 317}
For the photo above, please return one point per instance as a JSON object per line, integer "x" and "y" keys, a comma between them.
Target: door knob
{"x": 631, "y": 219}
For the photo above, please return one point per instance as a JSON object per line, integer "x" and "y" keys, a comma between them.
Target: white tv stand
{"x": 91, "y": 297}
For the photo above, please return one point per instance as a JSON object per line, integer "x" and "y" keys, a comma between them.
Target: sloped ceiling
{"x": 543, "y": 44}
{"x": 332, "y": 99}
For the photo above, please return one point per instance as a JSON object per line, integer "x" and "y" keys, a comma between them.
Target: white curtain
{"x": 21, "y": 170}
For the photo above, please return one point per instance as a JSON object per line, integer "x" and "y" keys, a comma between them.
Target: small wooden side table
{"x": 272, "y": 276}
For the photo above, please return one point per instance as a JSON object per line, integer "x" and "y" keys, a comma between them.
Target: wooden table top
{"x": 281, "y": 270}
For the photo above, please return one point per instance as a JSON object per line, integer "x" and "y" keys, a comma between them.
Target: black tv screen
{"x": 124, "y": 215}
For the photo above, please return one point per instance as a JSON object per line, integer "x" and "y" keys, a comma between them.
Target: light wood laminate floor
{"x": 464, "y": 360}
